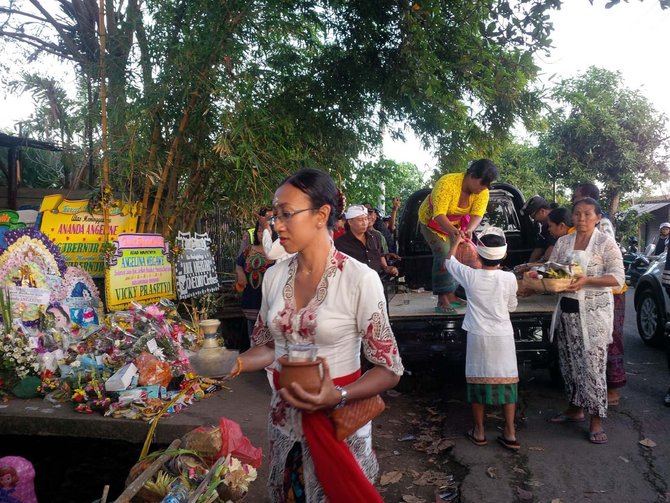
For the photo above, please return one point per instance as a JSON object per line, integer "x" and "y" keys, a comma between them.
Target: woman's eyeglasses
{"x": 285, "y": 216}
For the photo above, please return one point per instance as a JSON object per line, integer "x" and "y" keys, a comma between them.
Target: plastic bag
{"x": 233, "y": 442}
{"x": 152, "y": 371}
{"x": 17, "y": 480}
{"x": 466, "y": 254}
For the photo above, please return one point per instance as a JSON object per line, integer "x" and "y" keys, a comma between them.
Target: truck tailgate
{"x": 422, "y": 305}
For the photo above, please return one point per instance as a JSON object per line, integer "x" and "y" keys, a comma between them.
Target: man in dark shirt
{"x": 538, "y": 209}
{"x": 361, "y": 244}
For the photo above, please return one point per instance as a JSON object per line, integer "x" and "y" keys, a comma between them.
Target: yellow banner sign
{"x": 80, "y": 234}
{"x": 140, "y": 270}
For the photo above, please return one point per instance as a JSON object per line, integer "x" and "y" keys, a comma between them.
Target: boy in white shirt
{"x": 490, "y": 368}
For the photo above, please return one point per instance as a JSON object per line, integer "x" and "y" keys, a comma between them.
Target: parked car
{"x": 652, "y": 306}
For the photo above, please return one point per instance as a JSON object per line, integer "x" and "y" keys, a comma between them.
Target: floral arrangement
{"x": 17, "y": 358}
{"x": 49, "y": 252}
{"x": 108, "y": 250}
{"x": 234, "y": 478}
{"x": 132, "y": 331}
{"x": 25, "y": 274}
{"x": 73, "y": 276}
{"x": 31, "y": 260}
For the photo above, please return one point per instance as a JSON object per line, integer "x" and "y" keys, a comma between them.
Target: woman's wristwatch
{"x": 343, "y": 397}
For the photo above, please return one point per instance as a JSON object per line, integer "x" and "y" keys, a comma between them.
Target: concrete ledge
{"x": 247, "y": 403}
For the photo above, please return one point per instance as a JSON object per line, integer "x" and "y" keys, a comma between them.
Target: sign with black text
{"x": 195, "y": 268}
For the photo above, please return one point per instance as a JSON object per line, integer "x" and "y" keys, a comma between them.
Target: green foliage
{"x": 627, "y": 223}
{"x": 602, "y": 131}
{"x": 520, "y": 165}
{"x": 384, "y": 179}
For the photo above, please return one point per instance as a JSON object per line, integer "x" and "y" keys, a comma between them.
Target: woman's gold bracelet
{"x": 239, "y": 368}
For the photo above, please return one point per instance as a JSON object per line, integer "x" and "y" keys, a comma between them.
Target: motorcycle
{"x": 637, "y": 268}
{"x": 635, "y": 263}
{"x": 631, "y": 253}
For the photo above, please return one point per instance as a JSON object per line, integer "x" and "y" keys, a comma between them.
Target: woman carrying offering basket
{"x": 585, "y": 316}
{"x": 323, "y": 299}
{"x": 454, "y": 209}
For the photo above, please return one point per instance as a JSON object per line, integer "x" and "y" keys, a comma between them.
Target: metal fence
{"x": 225, "y": 234}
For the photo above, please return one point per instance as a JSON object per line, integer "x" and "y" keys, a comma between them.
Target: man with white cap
{"x": 490, "y": 362}
{"x": 359, "y": 243}
{"x": 663, "y": 238}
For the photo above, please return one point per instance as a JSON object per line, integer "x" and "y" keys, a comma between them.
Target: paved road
{"x": 557, "y": 461}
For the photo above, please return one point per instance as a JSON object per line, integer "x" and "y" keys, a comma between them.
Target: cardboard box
{"x": 121, "y": 378}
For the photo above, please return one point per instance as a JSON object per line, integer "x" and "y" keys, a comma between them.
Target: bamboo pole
{"x": 103, "y": 109}
{"x": 195, "y": 180}
{"x": 153, "y": 154}
{"x": 170, "y": 161}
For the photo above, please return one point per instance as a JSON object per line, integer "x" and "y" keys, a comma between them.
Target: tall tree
{"x": 602, "y": 131}
{"x": 244, "y": 92}
{"x": 520, "y": 165}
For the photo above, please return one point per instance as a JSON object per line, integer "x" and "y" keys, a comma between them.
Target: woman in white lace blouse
{"x": 585, "y": 317}
{"x": 324, "y": 297}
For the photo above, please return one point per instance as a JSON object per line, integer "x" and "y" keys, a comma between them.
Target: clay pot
{"x": 306, "y": 374}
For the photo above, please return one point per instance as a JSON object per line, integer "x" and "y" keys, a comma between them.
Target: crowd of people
{"x": 313, "y": 274}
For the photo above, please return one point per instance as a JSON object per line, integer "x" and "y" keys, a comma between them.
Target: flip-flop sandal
{"x": 512, "y": 445}
{"x": 445, "y": 310}
{"x": 478, "y": 442}
{"x": 564, "y": 418}
{"x": 460, "y": 302}
{"x": 598, "y": 437}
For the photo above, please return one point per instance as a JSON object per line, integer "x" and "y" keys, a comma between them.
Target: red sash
{"x": 338, "y": 472}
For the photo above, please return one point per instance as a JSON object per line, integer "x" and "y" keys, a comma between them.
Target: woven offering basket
{"x": 546, "y": 285}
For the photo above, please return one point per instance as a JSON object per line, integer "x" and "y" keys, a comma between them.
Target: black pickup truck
{"x": 427, "y": 338}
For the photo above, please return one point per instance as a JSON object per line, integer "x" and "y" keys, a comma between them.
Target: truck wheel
{"x": 650, "y": 318}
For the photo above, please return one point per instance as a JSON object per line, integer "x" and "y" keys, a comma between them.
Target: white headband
{"x": 492, "y": 252}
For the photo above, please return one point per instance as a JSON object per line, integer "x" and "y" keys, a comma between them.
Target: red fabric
{"x": 336, "y": 468}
